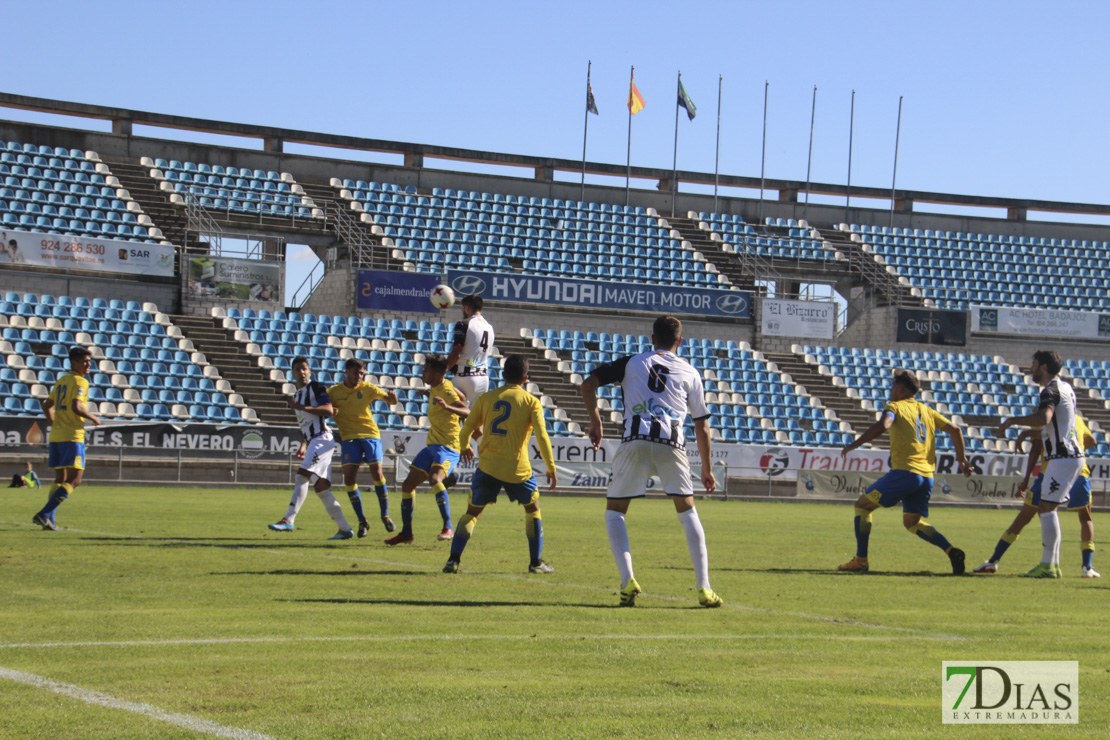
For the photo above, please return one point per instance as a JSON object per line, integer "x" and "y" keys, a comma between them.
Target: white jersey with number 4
{"x": 476, "y": 337}
{"x": 659, "y": 390}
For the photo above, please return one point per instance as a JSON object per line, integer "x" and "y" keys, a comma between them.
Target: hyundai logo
{"x": 733, "y": 302}
{"x": 466, "y": 285}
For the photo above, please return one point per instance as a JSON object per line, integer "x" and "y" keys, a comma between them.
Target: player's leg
{"x": 417, "y": 474}
{"x": 868, "y": 502}
{"x": 483, "y": 490}
{"x": 1087, "y": 540}
{"x": 528, "y": 493}
{"x": 300, "y": 493}
{"x": 673, "y": 468}
{"x": 382, "y": 492}
{"x": 322, "y": 486}
{"x": 1059, "y": 477}
{"x": 631, "y": 469}
{"x": 1009, "y": 537}
{"x": 68, "y": 461}
{"x": 436, "y": 479}
{"x": 915, "y": 512}
{"x": 366, "y": 453}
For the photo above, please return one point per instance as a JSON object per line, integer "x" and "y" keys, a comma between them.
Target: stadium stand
{"x": 67, "y": 191}
{"x": 541, "y": 236}
{"x": 219, "y": 188}
{"x": 780, "y": 238}
{"x": 955, "y": 270}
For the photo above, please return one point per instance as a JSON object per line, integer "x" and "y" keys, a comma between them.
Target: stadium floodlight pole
{"x": 674, "y": 167}
{"x": 628, "y": 161}
{"x": 763, "y": 161}
{"x": 809, "y": 164}
{"x": 894, "y": 177}
{"x": 717, "y": 159}
{"x": 851, "y": 130}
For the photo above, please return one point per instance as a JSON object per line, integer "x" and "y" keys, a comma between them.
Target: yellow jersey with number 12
{"x": 68, "y": 426}
{"x": 508, "y": 415}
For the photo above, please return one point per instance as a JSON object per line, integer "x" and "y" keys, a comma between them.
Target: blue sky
{"x": 1001, "y": 98}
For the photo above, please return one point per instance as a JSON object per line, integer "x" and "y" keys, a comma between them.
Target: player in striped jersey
{"x": 313, "y": 407}
{"x": 913, "y": 463}
{"x": 66, "y": 413}
{"x": 659, "y": 390}
{"x": 1079, "y": 501}
{"x": 1055, "y": 417}
{"x": 508, "y": 416}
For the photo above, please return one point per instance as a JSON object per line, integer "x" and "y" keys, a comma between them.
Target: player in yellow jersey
{"x": 507, "y": 416}
{"x": 441, "y": 453}
{"x": 66, "y": 413}
{"x": 361, "y": 440}
{"x": 913, "y": 463}
{"x": 1079, "y": 501}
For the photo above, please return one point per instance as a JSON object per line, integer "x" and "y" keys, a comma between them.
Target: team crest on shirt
{"x": 359, "y": 394}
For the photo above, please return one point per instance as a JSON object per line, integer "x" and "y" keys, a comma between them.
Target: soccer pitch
{"x": 164, "y": 612}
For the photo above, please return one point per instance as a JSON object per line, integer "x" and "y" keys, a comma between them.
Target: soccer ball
{"x": 442, "y": 297}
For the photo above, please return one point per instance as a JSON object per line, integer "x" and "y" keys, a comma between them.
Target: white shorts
{"x": 1059, "y": 476}
{"x": 639, "y": 459}
{"x": 471, "y": 386}
{"x": 317, "y": 456}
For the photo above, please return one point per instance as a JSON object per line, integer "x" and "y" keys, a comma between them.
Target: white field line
{"x": 188, "y": 721}
{"x": 438, "y": 638}
{"x": 907, "y": 631}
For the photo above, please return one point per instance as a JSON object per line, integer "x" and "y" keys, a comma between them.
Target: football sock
{"x": 444, "y": 503}
{"x": 383, "y": 496}
{"x": 1088, "y": 554}
{"x": 618, "y": 543}
{"x": 335, "y": 511}
{"x": 1008, "y": 538}
{"x": 1050, "y": 536}
{"x": 408, "y": 498}
{"x": 695, "y": 543}
{"x": 463, "y": 530}
{"x": 863, "y": 531}
{"x": 60, "y": 494}
{"x": 925, "y": 531}
{"x": 533, "y": 527}
{"x": 356, "y": 501}
{"x": 300, "y": 493}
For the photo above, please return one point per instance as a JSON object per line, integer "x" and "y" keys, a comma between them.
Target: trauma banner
{"x": 572, "y": 292}
{"x": 396, "y": 291}
{"x": 85, "y": 253}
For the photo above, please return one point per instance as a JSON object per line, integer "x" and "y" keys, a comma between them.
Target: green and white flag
{"x": 685, "y": 101}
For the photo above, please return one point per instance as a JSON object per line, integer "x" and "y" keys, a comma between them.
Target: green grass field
{"x": 182, "y": 600}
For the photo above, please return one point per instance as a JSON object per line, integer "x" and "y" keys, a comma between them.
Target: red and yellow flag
{"x": 635, "y": 99}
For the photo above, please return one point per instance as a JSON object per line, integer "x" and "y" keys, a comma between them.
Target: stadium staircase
{"x": 155, "y": 203}
{"x": 366, "y": 248}
{"x": 847, "y": 408}
{"x": 727, "y": 264}
{"x": 550, "y": 380}
{"x": 237, "y": 367}
{"x": 890, "y": 290}
{"x": 1092, "y": 406}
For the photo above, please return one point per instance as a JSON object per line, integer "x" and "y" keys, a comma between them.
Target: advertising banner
{"x": 86, "y": 253}
{"x": 1034, "y": 322}
{"x": 239, "y": 280}
{"x": 802, "y": 319}
{"x": 575, "y": 293}
{"x": 923, "y": 326}
{"x": 850, "y": 485}
{"x": 396, "y": 291}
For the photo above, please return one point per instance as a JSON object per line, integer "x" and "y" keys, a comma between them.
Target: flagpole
{"x": 763, "y": 162}
{"x": 585, "y": 131}
{"x": 809, "y": 165}
{"x": 894, "y": 177}
{"x": 851, "y": 130}
{"x": 628, "y": 161}
{"x": 674, "y": 168}
{"x": 717, "y": 159}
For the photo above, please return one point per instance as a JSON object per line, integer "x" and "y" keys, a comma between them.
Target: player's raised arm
{"x": 539, "y": 428}
{"x": 589, "y": 397}
{"x": 957, "y": 436}
{"x": 873, "y": 432}
{"x": 473, "y": 422}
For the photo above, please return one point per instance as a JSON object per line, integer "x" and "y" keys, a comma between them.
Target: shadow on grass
{"x": 347, "y": 572}
{"x": 230, "y": 543}
{"x": 833, "y": 572}
{"x": 463, "y": 603}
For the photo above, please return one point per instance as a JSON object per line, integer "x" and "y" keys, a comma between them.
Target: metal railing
{"x": 351, "y": 234}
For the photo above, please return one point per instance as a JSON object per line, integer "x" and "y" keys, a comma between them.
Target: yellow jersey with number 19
{"x": 508, "y": 415}
{"x": 68, "y": 426}
{"x": 913, "y": 441}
